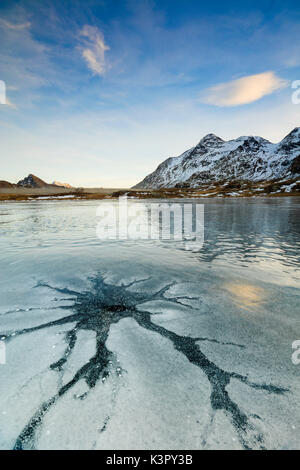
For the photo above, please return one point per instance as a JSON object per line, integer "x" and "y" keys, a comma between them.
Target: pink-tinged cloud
{"x": 243, "y": 90}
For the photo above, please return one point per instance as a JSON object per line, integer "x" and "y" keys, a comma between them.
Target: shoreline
{"x": 224, "y": 189}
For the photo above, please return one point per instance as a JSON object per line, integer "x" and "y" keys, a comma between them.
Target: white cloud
{"x": 94, "y": 49}
{"x": 15, "y": 27}
{"x": 244, "y": 90}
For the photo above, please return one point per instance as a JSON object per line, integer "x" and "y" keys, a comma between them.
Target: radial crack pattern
{"x": 96, "y": 310}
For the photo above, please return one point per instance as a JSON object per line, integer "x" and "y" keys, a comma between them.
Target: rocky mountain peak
{"x": 293, "y": 136}
{"x": 290, "y": 143}
{"x": 211, "y": 139}
{"x": 32, "y": 181}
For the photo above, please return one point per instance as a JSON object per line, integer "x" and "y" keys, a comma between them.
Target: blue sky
{"x": 100, "y": 92}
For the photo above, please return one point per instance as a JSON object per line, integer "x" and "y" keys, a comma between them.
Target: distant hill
{"x": 32, "y": 181}
{"x": 247, "y": 158}
{"x": 62, "y": 185}
{"x": 6, "y": 184}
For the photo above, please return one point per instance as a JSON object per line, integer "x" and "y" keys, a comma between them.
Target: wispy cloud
{"x": 243, "y": 90}
{"x": 94, "y": 49}
{"x": 13, "y": 26}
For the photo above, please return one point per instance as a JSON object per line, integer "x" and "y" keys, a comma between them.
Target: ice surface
{"x": 122, "y": 344}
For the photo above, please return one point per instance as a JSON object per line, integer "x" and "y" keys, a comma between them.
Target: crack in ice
{"x": 106, "y": 304}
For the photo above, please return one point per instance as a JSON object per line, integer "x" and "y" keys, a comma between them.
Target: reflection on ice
{"x": 246, "y": 296}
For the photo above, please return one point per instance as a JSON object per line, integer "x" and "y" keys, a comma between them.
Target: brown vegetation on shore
{"x": 274, "y": 188}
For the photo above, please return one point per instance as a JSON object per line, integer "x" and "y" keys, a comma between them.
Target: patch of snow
{"x": 53, "y": 197}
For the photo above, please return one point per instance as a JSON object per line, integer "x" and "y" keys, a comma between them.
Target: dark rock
{"x": 295, "y": 166}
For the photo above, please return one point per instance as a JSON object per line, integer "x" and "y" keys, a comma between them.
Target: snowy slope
{"x": 213, "y": 159}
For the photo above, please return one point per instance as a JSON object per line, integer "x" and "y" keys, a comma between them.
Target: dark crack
{"x": 104, "y": 305}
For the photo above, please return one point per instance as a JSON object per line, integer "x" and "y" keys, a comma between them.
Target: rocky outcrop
{"x": 295, "y": 166}
{"x": 32, "y": 181}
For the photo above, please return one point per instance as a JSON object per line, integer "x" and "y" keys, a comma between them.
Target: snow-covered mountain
{"x": 213, "y": 159}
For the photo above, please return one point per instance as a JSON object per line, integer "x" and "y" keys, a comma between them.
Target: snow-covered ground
{"x": 142, "y": 344}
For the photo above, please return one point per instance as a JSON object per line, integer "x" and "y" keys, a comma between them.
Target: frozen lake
{"x": 141, "y": 344}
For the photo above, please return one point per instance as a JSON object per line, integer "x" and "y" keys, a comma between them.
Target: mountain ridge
{"x": 33, "y": 181}
{"x": 250, "y": 158}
